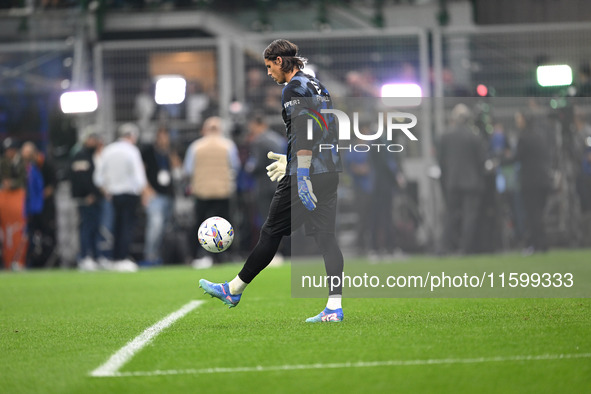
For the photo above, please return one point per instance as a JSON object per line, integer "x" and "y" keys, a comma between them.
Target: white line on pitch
{"x": 361, "y": 364}
{"x": 125, "y": 354}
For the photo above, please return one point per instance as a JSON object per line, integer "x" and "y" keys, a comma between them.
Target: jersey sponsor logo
{"x": 291, "y": 103}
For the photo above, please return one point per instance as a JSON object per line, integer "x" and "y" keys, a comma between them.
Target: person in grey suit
{"x": 534, "y": 153}
{"x": 461, "y": 156}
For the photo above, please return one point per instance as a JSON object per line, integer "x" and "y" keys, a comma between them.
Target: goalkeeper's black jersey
{"x": 302, "y": 99}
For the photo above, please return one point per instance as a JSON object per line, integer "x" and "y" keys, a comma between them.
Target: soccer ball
{"x": 216, "y": 234}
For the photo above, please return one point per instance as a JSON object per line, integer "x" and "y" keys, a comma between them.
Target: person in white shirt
{"x": 121, "y": 176}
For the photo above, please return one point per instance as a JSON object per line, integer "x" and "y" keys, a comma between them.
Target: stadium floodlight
{"x": 170, "y": 89}
{"x": 556, "y": 75}
{"x": 402, "y": 94}
{"x": 79, "y": 102}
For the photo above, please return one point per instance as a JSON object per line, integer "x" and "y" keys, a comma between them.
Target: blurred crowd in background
{"x": 501, "y": 175}
{"x": 497, "y": 179}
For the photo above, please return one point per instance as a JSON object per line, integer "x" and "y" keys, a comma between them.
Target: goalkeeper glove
{"x": 276, "y": 170}
{"x": 305, "y": 191}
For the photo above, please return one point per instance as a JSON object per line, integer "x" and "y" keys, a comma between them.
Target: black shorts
{"x": 287, "y": 212}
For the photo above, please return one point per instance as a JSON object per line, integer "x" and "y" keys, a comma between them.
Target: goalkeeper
{"x": 307, "y": 180}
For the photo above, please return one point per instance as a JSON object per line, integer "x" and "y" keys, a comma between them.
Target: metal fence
{"x": 125, "y": 73}
{"x": 30, "y": 75}
{"x": 227, "y": 77}
{"x": 504, "y": 59}
{"x": 446, "y": 63}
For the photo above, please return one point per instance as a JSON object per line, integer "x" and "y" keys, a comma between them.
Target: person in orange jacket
{"x": 13, "y": 223}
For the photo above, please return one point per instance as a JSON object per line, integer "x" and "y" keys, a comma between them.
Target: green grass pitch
{"x": 58, "y": 326}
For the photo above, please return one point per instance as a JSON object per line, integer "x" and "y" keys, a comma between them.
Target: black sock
{"x": 333, "y": 258}
{"x": 260, "y": 257}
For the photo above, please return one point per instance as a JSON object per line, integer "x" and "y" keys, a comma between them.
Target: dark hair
{"x": 288, "y": 51}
